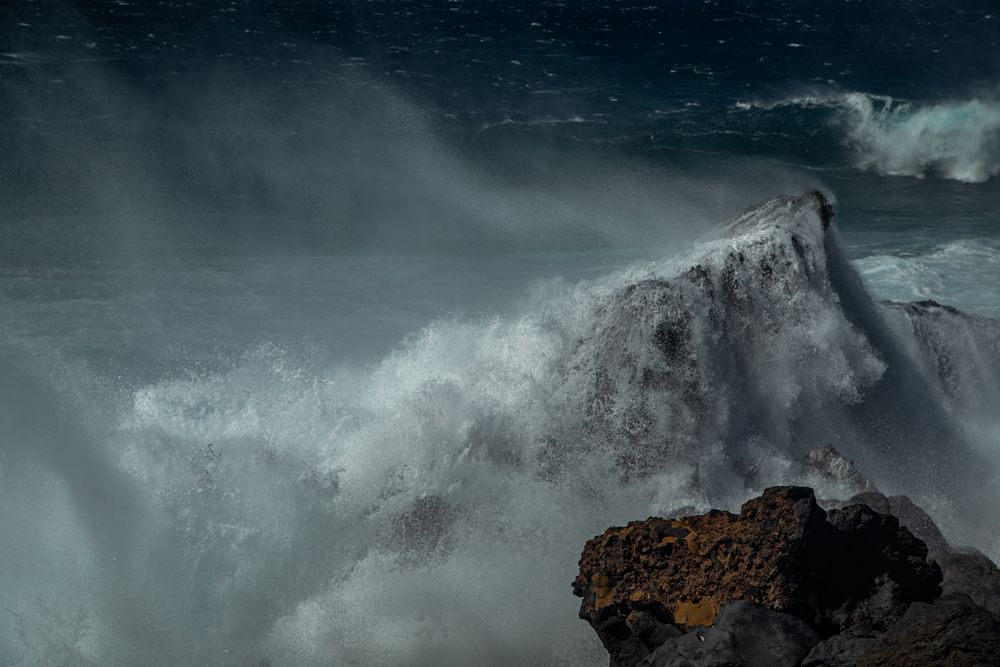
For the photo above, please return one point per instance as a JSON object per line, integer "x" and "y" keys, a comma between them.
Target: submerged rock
{"x": 783, "y": 552}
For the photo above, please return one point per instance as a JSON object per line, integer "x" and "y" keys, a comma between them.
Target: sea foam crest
{"x": 957, "y": 140}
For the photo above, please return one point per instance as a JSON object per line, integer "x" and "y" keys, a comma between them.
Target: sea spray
{"x": 959, "y": 140}
{"x": 430, "y": 510}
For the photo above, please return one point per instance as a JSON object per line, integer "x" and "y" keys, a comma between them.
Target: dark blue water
{"x": 154, "y": 97}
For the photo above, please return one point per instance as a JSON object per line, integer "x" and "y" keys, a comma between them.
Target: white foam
{"x": 960, "y": 273}
{"x": 431, "y": 510}
{"x": 959, "y": 140}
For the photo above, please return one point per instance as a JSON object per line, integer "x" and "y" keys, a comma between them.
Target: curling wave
{"x": 955, "y": 140}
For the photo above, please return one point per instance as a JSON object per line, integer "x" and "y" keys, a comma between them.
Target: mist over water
{"x": 325, "y": 341}
{"x": 225, "y": 467}
{"x": 421, "y": 511}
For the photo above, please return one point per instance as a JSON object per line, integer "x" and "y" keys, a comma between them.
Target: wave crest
{"x": 955, "y": 140}
{"x": 960, "y": 141}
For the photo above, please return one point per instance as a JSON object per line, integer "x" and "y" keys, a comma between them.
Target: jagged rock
{"x": 780, "y": 552}
{"x": 843, "y": 650}
{"x": 887, "y": 565}
{"x": 973, "y": 574}
{"x": 909, "y": 514}
{"x": 744, "y": 635}
{"x": 834, "y": 467}
{"x": 630, "y": 640}
{"x": 920, "y": 524}
{"x": 952, "y": 632}
{"x": 873, "y": 499}
{"x": 968, "y": 572}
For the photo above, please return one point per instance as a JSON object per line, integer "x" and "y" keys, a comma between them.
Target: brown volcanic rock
{"x": 781, "y": 552}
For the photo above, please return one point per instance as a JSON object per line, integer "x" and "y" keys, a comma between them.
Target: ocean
{"x": 330, "y": 331}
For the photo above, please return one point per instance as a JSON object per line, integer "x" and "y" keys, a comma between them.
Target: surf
{"x": 957, "y": 140}
{"x": 429, "y": 509}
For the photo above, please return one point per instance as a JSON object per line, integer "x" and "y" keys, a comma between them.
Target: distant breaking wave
{"x": 956, "y": 140}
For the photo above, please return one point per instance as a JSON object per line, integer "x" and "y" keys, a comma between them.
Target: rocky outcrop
{"x": 832, "y": 466}
{"x": 783, "y": 552}
{"x": 844, "y": 649}
{"x": 971, "y": 573}
{"x": 785, "y": 582}
{"x": 952, "y": 632}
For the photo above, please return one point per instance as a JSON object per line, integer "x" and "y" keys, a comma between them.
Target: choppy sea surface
{"x": 329, "y": 332}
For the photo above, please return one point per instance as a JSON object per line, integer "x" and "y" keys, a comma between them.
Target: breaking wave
{"x": 431, "y": 510}
{"x": 955, "y": 140}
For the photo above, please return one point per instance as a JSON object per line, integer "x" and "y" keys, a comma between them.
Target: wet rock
{"x": 744, "y": 635}
{"x": 952, "y": 632}
{"x": 780, "y": 552}
{"x": 834, "y": 467}
{"x": 920, "y": 524}
{"x": 873, "y": 499}
{"x": 631, "y": 639}
{"x": 843, "y": 650}
{"x": 888, "y": 568}
{"x": 972, "y": 573}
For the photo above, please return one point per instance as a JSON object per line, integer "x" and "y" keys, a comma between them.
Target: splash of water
{"x": 960, "y": 141}
{"x": 431, "y": 511}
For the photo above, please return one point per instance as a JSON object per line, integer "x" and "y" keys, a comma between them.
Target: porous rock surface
{"x": 831, "y": 570}
{"x": 785, "y": 583}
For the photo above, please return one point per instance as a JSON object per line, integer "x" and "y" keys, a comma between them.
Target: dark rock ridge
{"x": 786, "y": 582}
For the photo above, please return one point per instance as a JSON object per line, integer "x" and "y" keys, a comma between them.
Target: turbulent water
{"x": 329, "y": 332}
